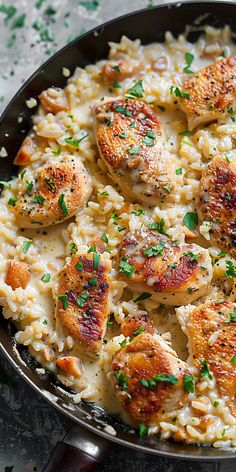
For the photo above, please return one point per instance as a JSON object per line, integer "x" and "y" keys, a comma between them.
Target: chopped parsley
{"x": 73, "y": 248}
{"x": 116, "y": 68}
{"x": 219, "y": 256}
{"x": 151, "y": 383}
{"x": 123, "y": 343}
{"x": 64, "y": 301}
{"x": 75, "y": 142}
{"x": 19, "y": 22}
{"x": 93, "y": 282}
{"x": 134, "y": 150}
{"x": 189, "y": 383}
{"x": 137, "y": 90}
{"x": 12, "y": 201}
{"x": 138, "y": 212}
{"x": 63, "y": 205}
{"x": 215, "y": 403}
{"x": 82, "y": 299}
{"x": 205, "y": 370}
{"x": 189, "y": 59}
{"x": 177, "y": 92}
{"x": 123, "y": 135}
{"x": 193, "y": 257}
{"x": 232, "y": 316}
{"x": 116, "y": 84}
{"x": 141, "y": 297}
{"x": 92, "y": 249}
{"x": 96, "y": 260}
{"x": 161, "y": 107}
{"x": 79, "y": 266}
{"x": 233, "y": 359}
{"x": 38, "y": 199}
{"x": 121, "y": 379}
{"x": 149, "y": 138}
{"x": 179, "y": 171}
{"x": 50, "y": 183}
{"x": 26, "y": 245}
{"x": 143, "y": 430}
{"x": 132, "y": 125}
{"x": 126, "y": 268}
{"x": 57, "y": 152}
{"x": 8, "y": 11}
{"x": 104, "y": 237}
{"x": 185, "y": 133}
{"x": 22, "y": 174}
{"x": 29, "y": 186}
{"x": 166, "y": 188}
{"x": 230, "y": 270}
{"x": 155, "y": 250}
{"x": 47, "y": 35}
{"x": 190, "y": 220}
{"x": 46, "y": 277}
{"x": 124, "y": 111}
{"x": 159, "y": 226}
{"x": 103, "y": 194}
{"x": 90, "y": 5}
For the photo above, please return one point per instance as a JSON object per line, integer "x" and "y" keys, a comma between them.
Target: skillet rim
{"x": 189, "y": 451}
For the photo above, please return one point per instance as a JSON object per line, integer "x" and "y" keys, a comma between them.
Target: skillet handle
{"x": 80, "y": 451}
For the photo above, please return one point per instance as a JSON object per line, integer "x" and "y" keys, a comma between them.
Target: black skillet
{"x": 149, "y": 25}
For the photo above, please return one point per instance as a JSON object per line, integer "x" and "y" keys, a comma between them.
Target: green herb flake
{"x": 103, "y": 194}
{"x": 29, "y": 186}
{"x": 92, "y": 249}
{"x": 22, "y": 174}
{"x": 50, "y": 183}
{"x": 11, "y": 41}
{"x": 123, "y": 343}
{"x": 37, "y": 25}
{"x": 190, "y": 220}
{"x": 166, "y": 188}
{"x": 126, "y": 268}
{"x": 12, "y": 201}
{"x": 177, "y": 92}
{"x": 123, "y": 135}
{"x": 39, "y": 3}
{"x": 189, "y": 383}
{"x": 116, "y": 84}
{"x": 138, "y": 331}
{"x": 64, "y": 301}
{"x": 104, "y": 237}
{"x": 93, "y": 282}
{"x": 38, "y": 199}
{"x": 63, "y": 205}
{"x": 143, "y": 430}
{"x": 47, "y": 35}
{"x": 155, "y": 250}
{"x": 151, "y": 383}
{"x": 137, "y": 90}
{"x": 134, "y": 150}
{"x": 179, "y": 171}
{"x": 124, "y": 111}
{"x": 96, "y": 260}
{"x": 185, "y": 133}
{"x": 215, "y": 403}
{"x": 230, "y": 270}
{"x": 189, "y": 59}
{"x": 116, "y": 68}
{"x": 138, "y": 212}
{"x": 8, "y": 11}
{"x": 232, "y": 316}
{"x": 193, "y": 257}
{"x": 19, "y": 22}
{"x": 132, "y": 125}
{"x": 46, "y": 277}
{"x": 230, "y": 111}
{"x": 161, "y": 107}
{"x": 205, "y": 370}
{"x": 75, "y": 142}
{"x": 149, "y": 139}
{"x": 25, "y": 246}
{"x": 82, "y": 299}
{"x": 73, "y": 248}
{"x": 159, "y": 226}
{"x": 121, "y": 379}
{"x": 233, "y": 359}
{"x": 142, "y": 297}
{"x": 57, "y": 152}
{"x": 79, "y": 266}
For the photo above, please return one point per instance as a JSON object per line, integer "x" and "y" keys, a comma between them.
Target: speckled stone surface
{"x": 31, "y": 31}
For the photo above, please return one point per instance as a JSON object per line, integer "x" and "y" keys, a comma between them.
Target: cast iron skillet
{"x": 149, "y": 25}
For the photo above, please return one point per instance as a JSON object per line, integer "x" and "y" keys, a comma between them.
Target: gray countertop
{"x": 29, "y": 426}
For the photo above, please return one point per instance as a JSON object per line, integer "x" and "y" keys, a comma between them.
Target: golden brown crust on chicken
{"x": 174, "y": 274}
{"x": 71, "y": 365}
{"x": 54, "y": 100}
{"x": 212, "y": 91}
{"x": 18, "y": 274}
{"x": 217, "y": 202}
{"x": 131, "y": 142}
{"x": 118, "y": 71}
{"x": 131, "y": 324}
{"x": 142, "y": 359}
{"x": 212, "y": 337}
{"x": 82, "y": 313}
{"x": 58, "y": 191}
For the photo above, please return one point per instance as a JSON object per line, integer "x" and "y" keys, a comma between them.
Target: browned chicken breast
{"x": 212, "y": 91}
{"x": 174, "y": 274}
{"x": 57, "y": 191}
{"x": 131, "y": 142}
{"x": 18, "y": 274}
{"x": 217, "y": 202}
{"x": 118, "y": 71}
{"x": 70, "y": 365}
{"x": 147, "y": 377}
{"x": 133, "y": 323}
{"x": 82, "y": 301}
{"x": 211, "y": 331}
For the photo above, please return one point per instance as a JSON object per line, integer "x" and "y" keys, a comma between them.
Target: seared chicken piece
{"x": 174, "y": 274}
{"x": 118, "y": 71}
{"x": 132, "y": 324}
{"x": 83, "y": 301}
{"x": 147, "y": 377}
{"x": 131, "y": 142}
{"x": 58, "y": 190}
{"x": 212, "y": 91}
{"x": 211, "y": 331}
{"x": 218, "y": 202}
{"x": 70, "y": 365}
{"x": 54, "y": 100}
{"x": 30, "y": 145}
{"x": 18, "y": 274}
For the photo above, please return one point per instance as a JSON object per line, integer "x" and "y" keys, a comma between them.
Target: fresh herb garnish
{"x": 38, "y": 199}
{"x": 73, "y": 248}
{"x": 75, "y": 142}
{"x": 19, "y": 22}
{"x": 137, "y": 90}
{"x": 82, "y": 299}
{"x": 123, "y": 343}
{"x": 92, "y": 249}
{"x": 205, "y": 370}
{"x": 161, "y": 107}
{"x": 143, "y": 430}
{"x": 126, "y": 268}
{"x": 26, "y": 245}
{"x": 96, "y": 260}
{"x": 121, "y": 379}
{"x": 185, "y": 133}
{"x": 189, "y": 383}
{"x": 104, "y": 237}
{"x": 50, "y": 183}
{"x": 189, "y": 59}
{"x": 155, "y": 250}
{"x": 138, "y": 212}
{"x": 179, "y": 171}
{"x": 29, "y": 186}
{"x": 151, "y": 383}
{"x": 124, "y": 111}
{"x": 193, "y": 257}
{"x": 230, "y": 270}
{"x": 64, "y": 300}
{"x": 149, "y": 138}
{"x": 63, "y": 205}
{"x": 136, "y": 333}
{"x": 177, "y": 92}
{"x": 57, "y": 152}
{"x": 141, "y": 297}
{"x": 232, "y": 316}
{"x": 233, "y": 359}
{"x": 190, "y": 220}
{"x": 79, "y": 266}
{"x": 12, "y": 201}
{"x": 93, "y": 282}
{"x": 134, "y": 150}
{"x": 46, "y": 277}
{"x": 159, "y": 226}
{"x": 103, "y": 194}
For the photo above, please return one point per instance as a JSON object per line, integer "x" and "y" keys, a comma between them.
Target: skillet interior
{"x": 149, "y": 25}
